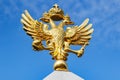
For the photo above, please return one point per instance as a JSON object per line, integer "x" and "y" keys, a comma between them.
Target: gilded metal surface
{"x": 58, "y": 40}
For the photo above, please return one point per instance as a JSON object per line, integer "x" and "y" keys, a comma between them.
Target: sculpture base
{"x": 62, "y": 75}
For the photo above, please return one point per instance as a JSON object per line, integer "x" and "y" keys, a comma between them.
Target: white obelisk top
{"x": 62, "y": 75}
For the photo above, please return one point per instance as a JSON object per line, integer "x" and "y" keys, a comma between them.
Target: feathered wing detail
{"x": 79, "y": 35}
{"x": 35, "y": 29}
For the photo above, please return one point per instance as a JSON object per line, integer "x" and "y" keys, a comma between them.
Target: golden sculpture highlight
{"x": 58, "y": 40}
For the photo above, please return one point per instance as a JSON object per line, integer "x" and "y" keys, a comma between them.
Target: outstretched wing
{"x": 34, "y": 29}
{"x": 79, "y": 35}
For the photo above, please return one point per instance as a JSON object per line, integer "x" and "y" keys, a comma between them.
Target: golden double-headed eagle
{"x": 57, "y": 39}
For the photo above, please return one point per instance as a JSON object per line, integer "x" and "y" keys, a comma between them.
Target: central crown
{"x": 56, "y": 14}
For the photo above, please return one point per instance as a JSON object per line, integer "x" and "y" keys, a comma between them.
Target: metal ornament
{"x": 58, "y": 40}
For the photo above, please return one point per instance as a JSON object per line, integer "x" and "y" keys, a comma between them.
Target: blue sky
{"x": 101, "y": 60}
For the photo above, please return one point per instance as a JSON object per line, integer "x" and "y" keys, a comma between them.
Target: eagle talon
{"x": 80, "y": 52}
{"x": 66, "y": 49}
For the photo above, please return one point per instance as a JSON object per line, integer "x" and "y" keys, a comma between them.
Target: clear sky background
{"x": 101, "y": 60}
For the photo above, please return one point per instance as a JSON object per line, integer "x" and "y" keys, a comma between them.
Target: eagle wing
{"x": 79, "y": 35}
{"x": 34, "y": 29}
